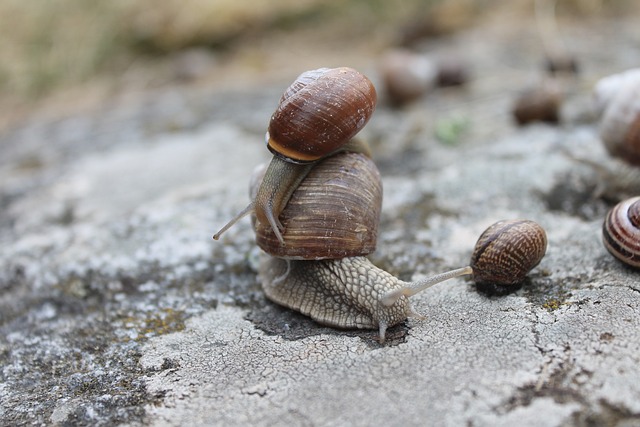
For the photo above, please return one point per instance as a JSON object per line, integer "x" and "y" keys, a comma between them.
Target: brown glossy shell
{"x": 334, "y": 213}
{"x": 619, "y": 99}
{"x": 538, "y": 104}
{"x": 322, "y": 110}
{"x": 621, "y": 232}
{"x": 507, "y": 251}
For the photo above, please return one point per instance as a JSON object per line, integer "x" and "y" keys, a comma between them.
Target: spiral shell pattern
{"x": 334, "y": 212}
{"x": 621, "y": 232}
{"x": 507, "y": 251}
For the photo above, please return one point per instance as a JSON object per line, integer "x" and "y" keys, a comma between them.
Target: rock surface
{"x": 116, "y": 307}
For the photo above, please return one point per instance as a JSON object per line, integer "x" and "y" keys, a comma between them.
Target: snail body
{"x": 617, "y": 98}
{"x": 318, "y": 115}
{"x": 621, "y": 232}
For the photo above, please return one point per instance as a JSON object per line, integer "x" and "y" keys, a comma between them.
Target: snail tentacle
{"x": 412, "y": 288}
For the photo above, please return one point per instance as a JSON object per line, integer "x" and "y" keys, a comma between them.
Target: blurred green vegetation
{"x": 47, "y": 44}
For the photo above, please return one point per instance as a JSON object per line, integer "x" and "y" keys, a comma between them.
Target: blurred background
{"x": 69, "y": 52}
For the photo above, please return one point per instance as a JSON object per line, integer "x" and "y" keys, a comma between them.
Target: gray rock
{"x": 116, "y": 307}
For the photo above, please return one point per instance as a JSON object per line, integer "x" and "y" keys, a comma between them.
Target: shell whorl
{"x": 621, "y": 232}
{"x": 506, "y": 252}
{"x": 334, "y": 212}
{"x": 322, "y": 110}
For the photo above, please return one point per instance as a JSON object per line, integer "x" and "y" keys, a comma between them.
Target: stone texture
{"x": 116, "y": 307}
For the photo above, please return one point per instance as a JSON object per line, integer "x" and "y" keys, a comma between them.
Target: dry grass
{"x": 46, "y": 45}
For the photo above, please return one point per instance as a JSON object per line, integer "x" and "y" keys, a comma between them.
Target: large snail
{"x": 318, "y": 115}
{"x": 617, "y": 99}
{"x": 331, "y": 215}
{"x": 621, "y": 231}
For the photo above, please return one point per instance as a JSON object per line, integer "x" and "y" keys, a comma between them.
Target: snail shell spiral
{"x": 334, "y": 212}
{"x": 621, "y": 232}
{"x": 507, "y": 251}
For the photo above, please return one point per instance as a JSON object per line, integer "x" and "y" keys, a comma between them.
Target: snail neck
{"x": 280, "y": 181}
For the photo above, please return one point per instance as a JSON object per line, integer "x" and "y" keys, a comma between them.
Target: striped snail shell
{"x": 621, "y": 232}
{"x": 326, "y": 218}
{"x": 617, "y": 98}
{"x": 318, "y": 115}
{"x": 506, "y": 252}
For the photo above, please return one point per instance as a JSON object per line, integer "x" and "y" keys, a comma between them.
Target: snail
{"x": 617, "y": 99}
{"x": 621, "y": 232}
{"x": 323, "y": 271}
{"x": 329, "y": 200}
{"x": 505, "y": 253}
{"x": 406, "y": 76}
{"x": 346, "y": 290}
{"x": 540, "y": 103}
{"x": 318, "y": 115}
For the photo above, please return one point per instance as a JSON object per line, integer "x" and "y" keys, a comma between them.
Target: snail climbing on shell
{"x": 317, "y": 276}
{"x": 621, "y": 232}
{"x": 330, "y": 211}
{"x": 318, "y": 115}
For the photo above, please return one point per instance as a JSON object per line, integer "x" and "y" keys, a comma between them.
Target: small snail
{"x": 621, "y": 232}
{"x": 538, "y": 104}
{"x": 617, "y": 98}
{"x": 318, "y": 115}
{"x": 506, "y": 252}
{"x": 325, "y": 215}
{"x": 406, "y": 76}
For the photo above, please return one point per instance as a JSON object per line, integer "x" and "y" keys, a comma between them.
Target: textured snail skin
{"x": 621, "y": 232}
{"x": 507, "y": 251}
{"x": 343, "y": 293}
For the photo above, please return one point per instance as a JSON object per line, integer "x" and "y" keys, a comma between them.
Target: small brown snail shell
{"x": 452, "y": 71}
{"x": 318, "y": 115}
{"x": 538, "y": 104}
{"x": 617, "y": 97}
{"x": 406, "y": 76}
{"x": 506, "y": 252}
{"x": 621, "y": 232}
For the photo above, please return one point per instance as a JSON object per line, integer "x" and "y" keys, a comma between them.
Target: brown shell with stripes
{"x": 621, "y": 232}
{"x": 334, "y": 213}
{"x": 322, "y": 110}
{"x": 507, "y": 251}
